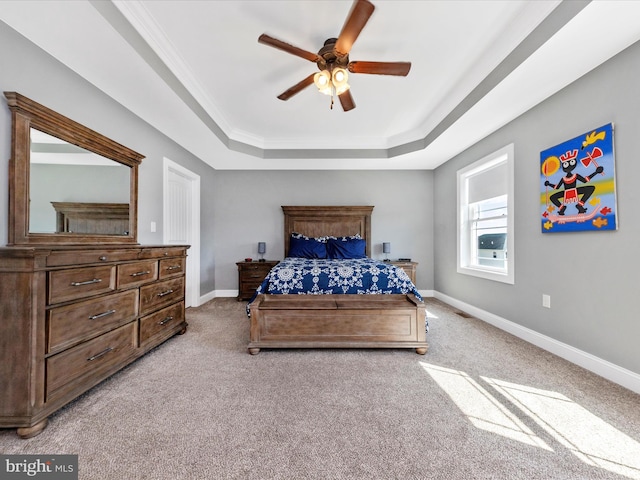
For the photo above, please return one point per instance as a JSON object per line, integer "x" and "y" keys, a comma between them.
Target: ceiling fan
{"x": 333, "y": 59}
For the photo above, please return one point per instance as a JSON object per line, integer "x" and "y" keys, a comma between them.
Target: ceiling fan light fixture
{"x": 339, "y": 80}
{"x": 322, "y": 80}
{"x": 342, "y": 89}
{"x": 332, "y": 82}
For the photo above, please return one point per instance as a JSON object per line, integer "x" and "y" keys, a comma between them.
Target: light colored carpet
{"x": 481, "y": 404}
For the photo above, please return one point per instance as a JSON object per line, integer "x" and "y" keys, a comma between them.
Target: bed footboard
{"x": 337, "y": 321}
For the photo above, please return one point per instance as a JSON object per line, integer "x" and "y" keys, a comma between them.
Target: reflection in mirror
{"x": 73, "y": 190}
{"x": 60, "y": 196}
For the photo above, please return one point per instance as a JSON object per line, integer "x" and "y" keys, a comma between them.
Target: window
{"x": 485, "y": 218}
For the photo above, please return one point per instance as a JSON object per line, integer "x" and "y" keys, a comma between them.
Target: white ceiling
{"x": 195, "y": 71}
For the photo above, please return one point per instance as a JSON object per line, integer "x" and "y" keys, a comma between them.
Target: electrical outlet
{"x": 546, "y": 300}
{"x": 153, "y": 227}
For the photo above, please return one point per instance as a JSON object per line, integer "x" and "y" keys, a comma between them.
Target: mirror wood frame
{"x": 27, "y": 114}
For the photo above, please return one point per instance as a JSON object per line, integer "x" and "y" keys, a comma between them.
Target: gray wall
{"x": 28, "y": 70}
{"x": 247, "y": 210}
{"x": 590, "y": 276}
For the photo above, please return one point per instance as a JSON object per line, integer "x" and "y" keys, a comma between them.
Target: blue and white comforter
{"x": 296, "y": 275}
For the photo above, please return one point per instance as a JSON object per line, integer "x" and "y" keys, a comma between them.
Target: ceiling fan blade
{"x": 380, "y": 68}
{"x": 296, "y": 88}
{"x": 353, "y": 25}
{"x": 346, "y": 100}
{"x": 279, "y": 44}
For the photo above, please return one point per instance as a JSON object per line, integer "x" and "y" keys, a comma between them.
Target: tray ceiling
{"x": 196, "y": 72}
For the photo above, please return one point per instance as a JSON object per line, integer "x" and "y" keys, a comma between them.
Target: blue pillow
{"x": 346, "y": 249}
{"x": 307, "y": 248}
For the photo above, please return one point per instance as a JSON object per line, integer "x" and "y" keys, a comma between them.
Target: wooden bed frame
{"x": 335, "y": 321}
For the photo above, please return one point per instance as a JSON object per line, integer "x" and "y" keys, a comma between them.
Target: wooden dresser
{"x": 72, "y": 316}
{"x": 250, "y": 276}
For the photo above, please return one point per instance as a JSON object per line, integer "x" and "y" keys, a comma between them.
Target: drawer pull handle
{"x": 165, "y": 321}
{"x": 162, "y": 294}
{"x": 103, "y": 314}
{"x": 88, "y": 282}
{"x": 137, "y": 274}
{"x": 98, "y": 355}
{"x": 103, "y": 258}
{"x": 174, "y": 267}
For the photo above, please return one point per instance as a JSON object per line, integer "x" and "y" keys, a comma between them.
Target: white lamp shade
{"x": 340, "y": 76}
{"x": 322, "y": 80}
{"x": 339, "y": 79}
{"x": 386, "y": 247}
{"x": 262, "y": 247}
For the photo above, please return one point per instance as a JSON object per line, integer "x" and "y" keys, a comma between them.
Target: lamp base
{"x": 262, "y": 260}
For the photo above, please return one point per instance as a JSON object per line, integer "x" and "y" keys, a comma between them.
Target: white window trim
{"x": 463, "y": 233}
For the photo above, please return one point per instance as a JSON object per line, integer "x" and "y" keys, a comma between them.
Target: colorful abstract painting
{"x": 577, "y": 184}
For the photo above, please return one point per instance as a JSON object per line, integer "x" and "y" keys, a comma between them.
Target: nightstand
{"x": 408, "y": 267}
{"x": 250, "y": 276}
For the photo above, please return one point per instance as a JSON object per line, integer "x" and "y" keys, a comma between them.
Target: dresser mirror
{"x": 69, "y": 185}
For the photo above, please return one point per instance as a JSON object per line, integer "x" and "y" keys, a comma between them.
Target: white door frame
{"x": 169, "y": 168}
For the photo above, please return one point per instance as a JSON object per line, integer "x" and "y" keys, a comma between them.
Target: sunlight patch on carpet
{"x": 430, "y": 314}
{"x": 480, "y": 407}
{"x": 590, "y": 438}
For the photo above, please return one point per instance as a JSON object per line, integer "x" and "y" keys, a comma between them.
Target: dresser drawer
{"x": 160, "y": 294}
{"x": 250, "y": 287}
{"x": 71, "y": 324}
{"x": 160, "y": 325}
{"x": 171, "y": 267}
{"x": 255, "y": 271}
{"x": 161, "y": 252}
{"x": 136, "y": 274}
{"x": 78, "y": 283}
{"x": 79, "y": 257}
{"x": 89, "y": 361}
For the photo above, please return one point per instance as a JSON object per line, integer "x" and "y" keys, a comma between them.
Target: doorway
{"x": 181, "y": 221}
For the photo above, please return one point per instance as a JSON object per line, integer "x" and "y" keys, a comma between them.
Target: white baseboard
{"x": 217, "y": 293}
{"x": 608, "y": 370}
{"x": 226, "y": 293}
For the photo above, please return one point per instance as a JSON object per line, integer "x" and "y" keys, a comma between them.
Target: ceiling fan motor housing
{"x": 330, "y": 58}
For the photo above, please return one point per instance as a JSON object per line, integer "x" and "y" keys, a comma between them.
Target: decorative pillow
{"x": 299, "y": 235}
{"x": 351, "y": 237}
{"x": 324, "y": 238}
{"x": 346, "y": 248}
{"x": 304, "y": 247}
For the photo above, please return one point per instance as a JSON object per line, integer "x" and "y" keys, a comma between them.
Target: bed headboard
{"x": 320, "y": 221}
